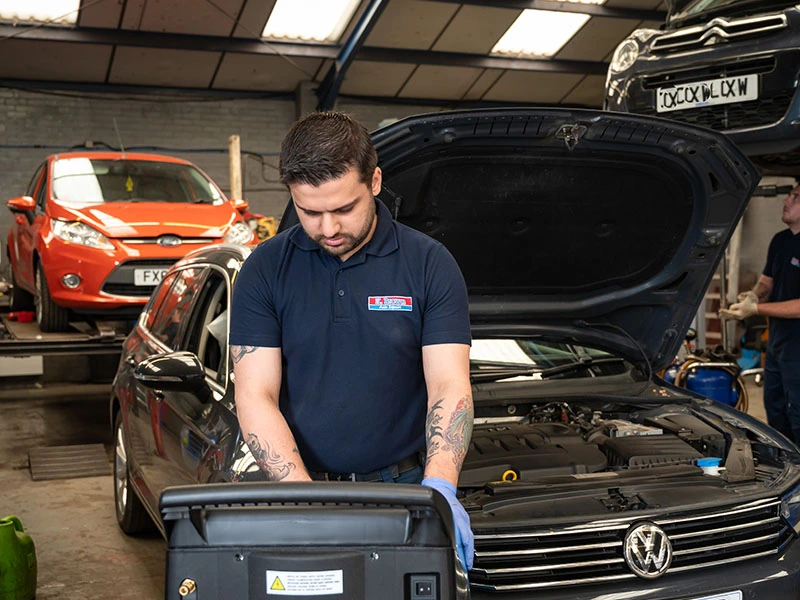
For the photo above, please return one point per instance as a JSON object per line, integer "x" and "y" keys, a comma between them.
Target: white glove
{"x": 741, "y": 310}
{"x": 751, "y": 295}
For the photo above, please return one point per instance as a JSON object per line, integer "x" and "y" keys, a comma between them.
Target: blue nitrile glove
{"x": 465, "y": 543}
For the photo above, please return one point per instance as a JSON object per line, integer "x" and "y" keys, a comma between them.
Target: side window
{"x": 31, "y": 191}
{"x": 157, "y": 299}
{"x": 207, "y": 335}
{"x": 41, "y": 192}
{"x": 173, "y": 311}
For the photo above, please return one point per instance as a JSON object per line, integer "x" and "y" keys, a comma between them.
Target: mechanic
{"x": 777, "y": 295}
{"x": 350, "y": 332}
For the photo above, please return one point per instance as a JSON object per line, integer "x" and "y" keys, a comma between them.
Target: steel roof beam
{"x": 149, "y": 39}
{"x": 329, "y": 88}
{"x": 595, "y": 10}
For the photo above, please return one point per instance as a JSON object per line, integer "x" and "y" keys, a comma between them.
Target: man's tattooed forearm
{"x": 238, "y": 352}
{"x": 272, "y": 464}
{"x": 761, "y": 291}
{"x": 455, "y": 435}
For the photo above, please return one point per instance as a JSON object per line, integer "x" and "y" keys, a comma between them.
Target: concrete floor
{"x": 82, "y": 554}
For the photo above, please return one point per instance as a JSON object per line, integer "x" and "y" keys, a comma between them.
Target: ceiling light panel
{"x": 309, "y": 20}
{"x": 541, "y": 33}
{"x": 40, "y": 11}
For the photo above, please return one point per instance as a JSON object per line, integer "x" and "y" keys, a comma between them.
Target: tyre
{"x": 132, "y": 516}
{"x": 50, "y": 316}
{"x": 20, "y": 299}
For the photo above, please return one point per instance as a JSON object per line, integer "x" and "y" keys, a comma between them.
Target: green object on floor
{"x": 17, "y": 561}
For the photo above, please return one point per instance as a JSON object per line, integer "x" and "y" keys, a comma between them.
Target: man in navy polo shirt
{"x": 777, "y": 296}
{"x": 350, "y": 332}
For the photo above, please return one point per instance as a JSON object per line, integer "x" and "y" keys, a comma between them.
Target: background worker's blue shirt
{"x": 783, "y": 265}
{"x": 351, "y": 334}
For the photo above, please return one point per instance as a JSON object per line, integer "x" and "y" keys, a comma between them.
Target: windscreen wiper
{"x": 504, "y": 372}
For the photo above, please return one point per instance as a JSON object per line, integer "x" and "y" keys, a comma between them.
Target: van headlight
{"x": 624, "y": 56}
{"x": 76, "y": 232}
{"x": 239, "y": 233}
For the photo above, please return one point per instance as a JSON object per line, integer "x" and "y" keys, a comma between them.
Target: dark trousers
{"x": 782, "y": 394}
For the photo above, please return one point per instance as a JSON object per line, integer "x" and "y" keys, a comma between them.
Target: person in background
{"x": 350, "y": 332}
{"x": 777, "y": 295}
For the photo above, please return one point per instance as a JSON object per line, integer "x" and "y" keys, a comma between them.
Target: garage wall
{"x": 33, "y": 125}
{"x": 761, "y": 221}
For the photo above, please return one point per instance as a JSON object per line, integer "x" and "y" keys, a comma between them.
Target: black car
{"x": 730, "y": 65}
{"x": 587, "y": 240}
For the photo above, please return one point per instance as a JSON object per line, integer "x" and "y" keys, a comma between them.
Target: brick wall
{"x": 761, "y": 221}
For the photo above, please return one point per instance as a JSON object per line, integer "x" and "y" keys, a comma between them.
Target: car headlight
{"x": 239, "y": 233}
{"x": 624, "y": 56}
{"x": 790, "y": 508}
{"x": 80, "y": 233}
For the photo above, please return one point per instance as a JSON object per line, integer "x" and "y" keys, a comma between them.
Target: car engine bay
{"x": 557, "y": 442}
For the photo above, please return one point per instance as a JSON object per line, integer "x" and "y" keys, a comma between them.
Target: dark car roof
{"x": 217, "y": 254}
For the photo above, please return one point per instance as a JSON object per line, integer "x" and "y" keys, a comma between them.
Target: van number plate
{"x": 725, "y": 90}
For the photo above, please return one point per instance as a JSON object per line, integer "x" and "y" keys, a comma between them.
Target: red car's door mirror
{"x": 240, "y": 205}
{"x": 22, "y": 204}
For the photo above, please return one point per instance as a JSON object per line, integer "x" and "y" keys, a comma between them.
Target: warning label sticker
{"x": 304, "y": 583}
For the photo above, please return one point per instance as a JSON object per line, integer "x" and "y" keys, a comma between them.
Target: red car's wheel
{"x": 50, "y": 316}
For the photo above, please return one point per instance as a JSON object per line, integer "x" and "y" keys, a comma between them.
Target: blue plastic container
{"x": 713, "y": 383}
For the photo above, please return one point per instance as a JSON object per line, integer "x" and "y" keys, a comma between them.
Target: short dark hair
{"x": 323, "y": 146}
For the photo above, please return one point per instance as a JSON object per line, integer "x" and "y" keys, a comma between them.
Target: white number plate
{"x": 728, "y": 596}
{"x": 148, "y": 276}
{"x": 726, "y": 90}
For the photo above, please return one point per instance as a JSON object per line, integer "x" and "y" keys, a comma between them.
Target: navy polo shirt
{"x": 783, "y": 265}
{"x": 351, "y": 335}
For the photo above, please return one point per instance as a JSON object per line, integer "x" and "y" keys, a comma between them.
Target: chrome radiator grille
{"x": 718, "y": 30}
{"x": 511, "y": 560}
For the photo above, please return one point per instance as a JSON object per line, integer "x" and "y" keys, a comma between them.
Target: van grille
{"x": 512, "y": 560}
{"x": 757, "y": 113}
{"x": 757, "y": 66}
{"x": 718, "y": 30}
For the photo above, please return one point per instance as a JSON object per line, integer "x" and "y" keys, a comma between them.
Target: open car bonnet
{"x": 591, "y": 227}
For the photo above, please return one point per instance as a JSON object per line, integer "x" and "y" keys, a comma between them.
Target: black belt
{"x": 402, "y": 466}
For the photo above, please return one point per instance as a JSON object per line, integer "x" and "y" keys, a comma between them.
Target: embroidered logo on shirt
{"x": 795, "y": 262}
{"x": 390, "y": 303}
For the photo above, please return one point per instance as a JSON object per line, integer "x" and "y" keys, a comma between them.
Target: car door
{"x": 161, "y": 333}
{"x": 25, "y": 230}
{"x": 195, "y": 421}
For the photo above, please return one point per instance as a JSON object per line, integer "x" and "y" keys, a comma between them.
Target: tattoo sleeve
{"x": 453, "y": 435}
{"x": 274, "y": 466}
{"x": 238, "y": 352}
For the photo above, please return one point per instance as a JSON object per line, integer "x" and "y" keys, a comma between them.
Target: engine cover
{"x": 527, "y": 450}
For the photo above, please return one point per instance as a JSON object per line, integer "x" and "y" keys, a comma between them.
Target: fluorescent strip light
{"x": 309, "y": 20}
{"x": 541, "y": 32}
{"x": 40, "y": 11}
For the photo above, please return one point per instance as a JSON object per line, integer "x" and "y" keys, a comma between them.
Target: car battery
{"x": 312, "y": 541}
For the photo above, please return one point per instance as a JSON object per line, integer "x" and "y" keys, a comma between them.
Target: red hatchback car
{"x": 96, "y": 231}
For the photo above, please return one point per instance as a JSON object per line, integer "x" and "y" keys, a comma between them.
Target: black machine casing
{"x": 315, "y": 541}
